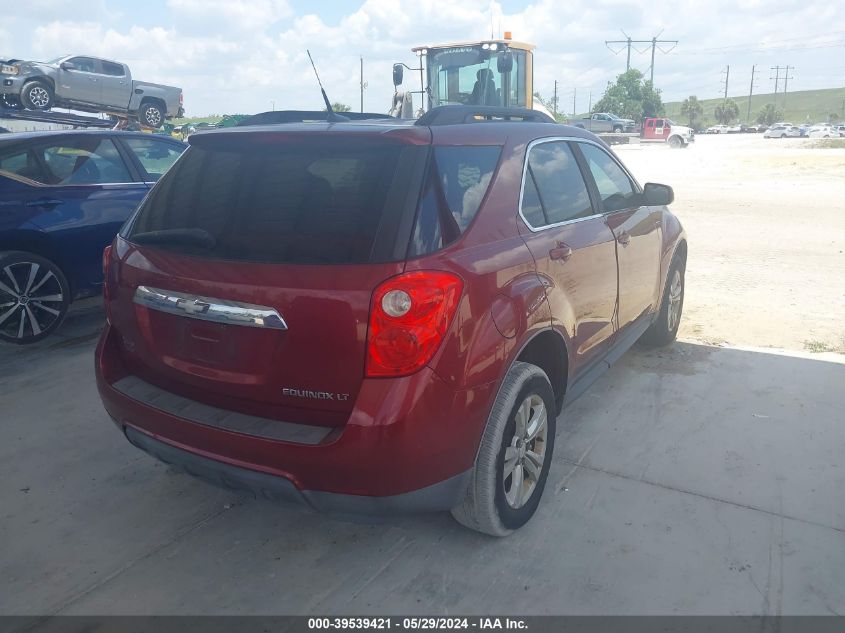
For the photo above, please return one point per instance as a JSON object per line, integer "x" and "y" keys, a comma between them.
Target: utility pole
{"x": 727, "y": 74}
{"x": 363, "y": 83}
{"x": 653, "y": 46}
{"x": 786, "y": 79}
{"x": 574, "y": 93}
{"x": 554, "y": 100}
{"x": 628, "y": 42}
{"x": 777, "y": 81}
{"x": 590, "y": 107}
{"x": 751, "y": 92}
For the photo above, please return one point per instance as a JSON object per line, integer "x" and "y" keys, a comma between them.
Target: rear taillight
{"x": 107, "y": 280}
{"x": 409, "y": 317}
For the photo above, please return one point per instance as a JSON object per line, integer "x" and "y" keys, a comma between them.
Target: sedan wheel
{"x": 34, "y": 297}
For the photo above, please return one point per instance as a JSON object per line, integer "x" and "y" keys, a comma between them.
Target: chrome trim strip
{"x": 576, "y": 139}
{"x": 209, "y": 309}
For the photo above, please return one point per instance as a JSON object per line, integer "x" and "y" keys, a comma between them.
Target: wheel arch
{"x": 43, "y": 79}
{"x": 157, "y": 101}
{"x": 548, "y": 350}
{"x": 37, "y": 243}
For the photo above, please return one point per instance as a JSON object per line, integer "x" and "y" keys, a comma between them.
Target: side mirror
{"x": 655, "y": 195}
{"x": 504, "y": 62}
{"x": 67, "y": 66}
{"x": 398, "y": 74}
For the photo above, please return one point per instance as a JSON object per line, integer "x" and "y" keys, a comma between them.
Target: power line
{"x": 628, "y": 42}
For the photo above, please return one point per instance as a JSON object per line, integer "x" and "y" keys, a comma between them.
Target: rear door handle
{"x": 561, "y": 252}
{"x": 624, "y": 238}
{"x": 45, "y": 202}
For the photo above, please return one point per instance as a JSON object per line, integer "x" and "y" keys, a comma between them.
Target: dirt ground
{"x": 766, "y": 226}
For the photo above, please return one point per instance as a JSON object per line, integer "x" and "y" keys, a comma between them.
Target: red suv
{"x": 382, "y": 316}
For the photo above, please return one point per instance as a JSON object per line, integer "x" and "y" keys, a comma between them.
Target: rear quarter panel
{"x": 504, "y": 301}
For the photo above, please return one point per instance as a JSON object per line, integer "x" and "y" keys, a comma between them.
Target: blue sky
{"x": 239, "y": 56}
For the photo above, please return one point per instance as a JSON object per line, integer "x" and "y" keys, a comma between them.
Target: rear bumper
{"x": 408, "y": 444}
{"x": 437, "y": 497}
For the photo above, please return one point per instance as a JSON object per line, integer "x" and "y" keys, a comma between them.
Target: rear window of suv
{"x": 275, "y": 202}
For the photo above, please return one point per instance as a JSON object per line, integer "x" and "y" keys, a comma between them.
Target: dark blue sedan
{"x": 63, "y": 197}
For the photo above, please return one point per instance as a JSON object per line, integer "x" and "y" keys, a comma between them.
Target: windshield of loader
{"x": 469, "y": 75}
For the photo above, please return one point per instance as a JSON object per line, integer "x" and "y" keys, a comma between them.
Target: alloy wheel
{"x": 152, "y": 116}
{"x": 526, "y": 452}
{"x": 676, "y": 290}
{"x": 39, "y": 97}
{"x": 31, "y": 300}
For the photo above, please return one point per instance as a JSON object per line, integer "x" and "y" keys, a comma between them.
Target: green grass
{"x": 818, "y": 347}
{"x": 214, "y": 118}
{"x": 801, "y": 106}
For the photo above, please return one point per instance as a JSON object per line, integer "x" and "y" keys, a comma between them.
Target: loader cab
{"x": 495, "y": 72}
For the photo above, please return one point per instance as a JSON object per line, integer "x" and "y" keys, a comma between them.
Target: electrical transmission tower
{"x": 629, "y": 43}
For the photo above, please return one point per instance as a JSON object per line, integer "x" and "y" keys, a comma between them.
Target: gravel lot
{"x": 706, "y": 478}
{"x": 766, "y": 225}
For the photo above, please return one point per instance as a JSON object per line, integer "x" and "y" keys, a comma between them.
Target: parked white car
{"x": 841, "y": 129}
{"x": 822, "y": 131}
{"x": 717, "y": 129}
{"x": 781, "y": 131}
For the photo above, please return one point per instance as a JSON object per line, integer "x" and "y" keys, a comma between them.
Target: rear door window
{"x": 21, "y": 162}
{"x": 317, "y": 203}
{"x": 554, "y": 189}
{"x": 156, "y": 156}
{"x": 458, "y": 179}
{"x": 84, "y": 161}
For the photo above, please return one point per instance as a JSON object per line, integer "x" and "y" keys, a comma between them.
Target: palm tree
{"x": 692, "y": 109}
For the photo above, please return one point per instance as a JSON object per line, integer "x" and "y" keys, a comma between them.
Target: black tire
{"x": 151, "y": 114}
{"x": 37, "y": 95}
{"x": 664, "y": 329}
{"x": 11, "y": 102}
{"x": 617, "y": 129}
{"x": 675, "y": 142}
{"x": 487, "y": 506}
{"x": 26, "y": 317}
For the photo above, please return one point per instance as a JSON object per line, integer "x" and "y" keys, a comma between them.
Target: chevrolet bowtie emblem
{"x": 192, "y": 306}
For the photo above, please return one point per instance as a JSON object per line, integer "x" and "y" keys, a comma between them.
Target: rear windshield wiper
{"x": 189, "y": 237}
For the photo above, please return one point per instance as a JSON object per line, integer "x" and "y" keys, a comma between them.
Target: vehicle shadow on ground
{"x": 83, "y": 323}
{"x": 692, "y": 479}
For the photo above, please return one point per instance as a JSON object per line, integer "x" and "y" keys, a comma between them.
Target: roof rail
{"x": 301, "y": 116}
{"x": 457, "y": 114}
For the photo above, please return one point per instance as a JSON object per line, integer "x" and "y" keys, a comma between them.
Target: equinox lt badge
{"x": 314, "y": 395}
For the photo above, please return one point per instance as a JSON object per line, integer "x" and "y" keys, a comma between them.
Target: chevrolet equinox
{"x": 383, "y": 316}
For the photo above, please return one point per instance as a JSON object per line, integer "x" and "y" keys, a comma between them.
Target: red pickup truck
{"x": 665, "y": 130}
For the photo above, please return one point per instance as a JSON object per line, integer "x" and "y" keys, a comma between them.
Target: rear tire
{"x": 34, "y": 297}
{"x": 664, "y": 329}
{"x": 151, "y": 114}
{"x": 515, "y": 455}
{"x": 37, "y": 95}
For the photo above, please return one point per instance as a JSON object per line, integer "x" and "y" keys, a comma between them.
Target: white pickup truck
{"x": 88, "y": 84}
